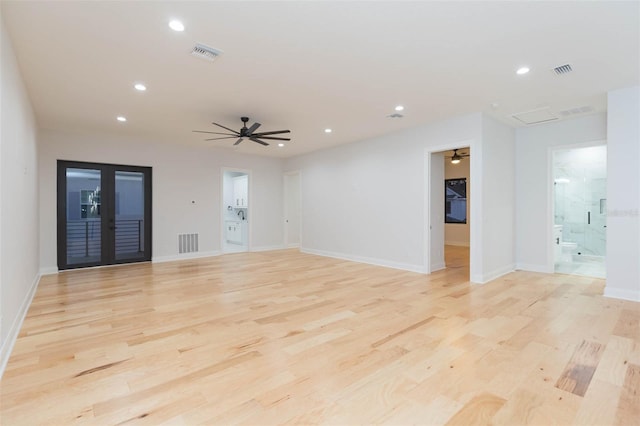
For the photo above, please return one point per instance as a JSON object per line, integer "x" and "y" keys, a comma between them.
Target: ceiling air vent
{"x": 576, "y": 111}
{"x": 563, "y": 69}
{"x": 205, "y": 52}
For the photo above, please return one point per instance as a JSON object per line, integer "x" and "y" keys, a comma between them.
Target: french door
{"x": 104, "y": 214}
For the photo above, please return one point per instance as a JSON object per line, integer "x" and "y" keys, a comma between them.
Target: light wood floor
{"x": 285, "y": 337}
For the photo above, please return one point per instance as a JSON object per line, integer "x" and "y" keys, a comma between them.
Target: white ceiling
{"x": 304, "y": 66}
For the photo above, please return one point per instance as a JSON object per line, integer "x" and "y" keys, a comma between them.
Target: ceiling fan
{"x": 456, "y": 158}
{"x": 247, "y": 132}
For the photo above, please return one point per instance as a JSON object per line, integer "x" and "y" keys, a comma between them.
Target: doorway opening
{"x": 235, "y": 210}
{"x": 457, "y": 184}
{"x": 449, "y": 209}
{"x": 104, "y": 214}
{"x": 580, "y": 210}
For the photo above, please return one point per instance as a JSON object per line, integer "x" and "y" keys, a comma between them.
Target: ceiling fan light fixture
{"x": 245, "y": 132}
{"x": 456, "y": 158}
{"x": 399, "y": 108}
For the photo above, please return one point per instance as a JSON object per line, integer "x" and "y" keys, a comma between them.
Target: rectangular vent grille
{"x": 576, "y": 111}
{"x": 187, "y": 243}
{"x": 563, "y": 69}
{"x": 205, "y": 52}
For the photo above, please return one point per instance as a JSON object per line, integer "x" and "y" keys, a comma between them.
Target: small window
{"x": 455, "y": 200}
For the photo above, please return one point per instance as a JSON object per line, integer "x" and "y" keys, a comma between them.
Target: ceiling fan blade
{"x": 217, "y": 139}
{"x": 253, "y": 128}
{"x": 231, "y": 130}
{"x": 272, "y": 138}
{"x": 259, "y": 141}
{"x": 237, "y": 142}
{"x": 275, "y": 132}
{"x": 215, "y": 133}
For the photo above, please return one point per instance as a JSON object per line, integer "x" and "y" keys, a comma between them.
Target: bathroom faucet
{"x": 241, "y": 211}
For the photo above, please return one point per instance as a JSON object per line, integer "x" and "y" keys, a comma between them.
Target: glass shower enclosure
{"x": 580, "y": 204}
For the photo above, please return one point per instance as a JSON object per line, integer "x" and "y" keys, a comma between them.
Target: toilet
{"x": 568, "y": 249}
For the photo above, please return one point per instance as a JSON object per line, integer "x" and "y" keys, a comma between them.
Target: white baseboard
{"x": 371, "y": 261}
{"x": 296, "y": 245}
{"x": 438, "y": 267}
{"x": 185, "y": 256}
{"x": 485, "y": 278}
{"x": 533, "y": 268}
{"x": 617, "y": 293}
{"x": 14, "y": 330}
{"x": 456, "y": 243}
{"x": 49, "y": 270}
{"x": 268, "y": 248}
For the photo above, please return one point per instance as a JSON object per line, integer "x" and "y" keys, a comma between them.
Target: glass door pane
{"x": 129, "y": 215}
{"x": 83, "y": 214}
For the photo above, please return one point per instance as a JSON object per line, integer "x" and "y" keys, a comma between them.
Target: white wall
{"x": 533, "y": 201}
{"x": 18, "y": 200}
{"x": 181, "y": 174}
{"x": 365, "y": 201}
{"x": 623, "y": 194}
{"x": 498, "y": 200}
{"x": 457, "y": 234}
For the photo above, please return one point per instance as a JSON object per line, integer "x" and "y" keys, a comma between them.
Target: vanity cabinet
{"x": 234, "y": 231}
{"x": 241, "y": 191}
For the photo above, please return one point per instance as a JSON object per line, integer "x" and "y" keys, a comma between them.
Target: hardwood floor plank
{"x": 578, "y": 373}
{"x": 479, "y": 411}
{"x": 629, "y": 403}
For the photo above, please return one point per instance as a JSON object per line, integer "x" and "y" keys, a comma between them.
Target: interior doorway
{"x": 292, "y": 205}
{"x": 449, "y": 208}
{"x": 104, "y": 214}
{"x": 580, "y": 210}
{"x": 236, "y": 210}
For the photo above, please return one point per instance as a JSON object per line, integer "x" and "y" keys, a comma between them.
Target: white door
{"x": 436, "y": 212}
{"x": 292, "y": 209}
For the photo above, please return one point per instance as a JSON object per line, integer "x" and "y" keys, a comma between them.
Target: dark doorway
{"x": 104, "y": 214}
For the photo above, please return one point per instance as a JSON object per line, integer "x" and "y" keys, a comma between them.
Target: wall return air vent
{"x": 205, "y": 52}
{"x": 187, "y": 243}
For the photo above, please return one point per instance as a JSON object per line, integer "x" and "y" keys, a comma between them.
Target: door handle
{"x": 558, "y": 240}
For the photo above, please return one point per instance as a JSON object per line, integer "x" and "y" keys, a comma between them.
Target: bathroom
{"x": 235, "y": 215}
{"x": 580, "y": 210}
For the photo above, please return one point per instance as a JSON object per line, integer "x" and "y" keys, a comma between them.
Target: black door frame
{"x": 107, "y": 214}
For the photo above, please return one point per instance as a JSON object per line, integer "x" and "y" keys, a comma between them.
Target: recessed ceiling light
{"x": 141, "y": 87}
{"x": 327, "y": 130}
{"x": 280, "y": 145}
{"x": 121, "y": 118}
{"x": 176, "y": 25}
{"x": 522, "y": 70}
{"x": 399, "y": 108}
